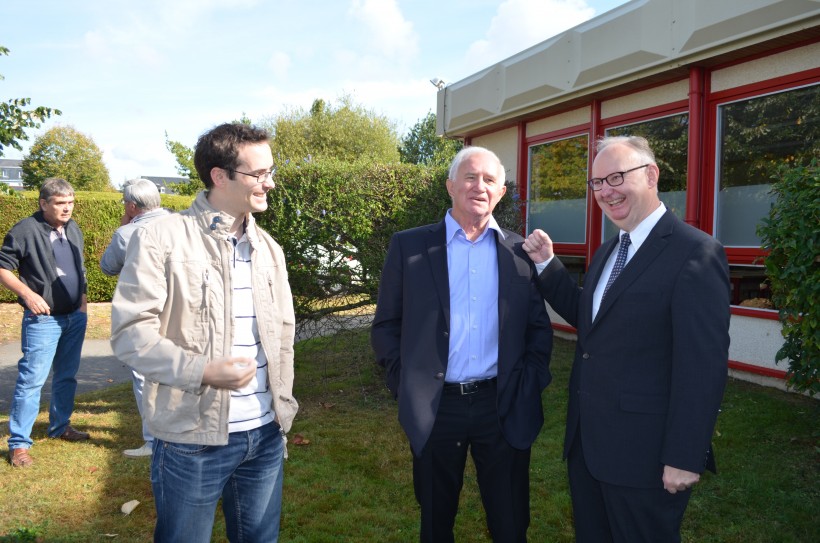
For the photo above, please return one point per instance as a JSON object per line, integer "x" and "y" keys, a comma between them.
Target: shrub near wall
{"x": 790, "y": 233}
{"x": 98, "y": 215}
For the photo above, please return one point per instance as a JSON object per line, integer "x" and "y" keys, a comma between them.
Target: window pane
{"x": 558, "y": 189}
{"x": 750, "y": 287}
{"x": 669, "y": 139}
{"x": 755, "y": 137}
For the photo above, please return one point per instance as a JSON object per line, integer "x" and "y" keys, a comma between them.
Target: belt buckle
{"x": 468, "y": 388}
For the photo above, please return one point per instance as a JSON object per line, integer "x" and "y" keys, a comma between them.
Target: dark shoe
{"x": 20, "y": 458}
{"x": 72, "y": 435}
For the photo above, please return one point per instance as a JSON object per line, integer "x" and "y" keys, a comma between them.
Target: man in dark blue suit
{"x": 651, "y": 359}
{"x": 465, "y": 340}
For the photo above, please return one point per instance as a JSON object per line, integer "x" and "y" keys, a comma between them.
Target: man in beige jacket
{"x": 203, "y": 310}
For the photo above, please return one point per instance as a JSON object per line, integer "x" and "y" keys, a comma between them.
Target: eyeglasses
{"x": 613, "y": 179}
{"x": 260, "y": 178}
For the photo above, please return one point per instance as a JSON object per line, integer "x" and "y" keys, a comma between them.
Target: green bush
{"x": 792, "y": 237}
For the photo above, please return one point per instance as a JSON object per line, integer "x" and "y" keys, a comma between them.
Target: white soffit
{"x": 639, "y": 39}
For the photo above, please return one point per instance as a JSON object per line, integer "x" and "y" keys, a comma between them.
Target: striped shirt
{"x": 251, "y": 406}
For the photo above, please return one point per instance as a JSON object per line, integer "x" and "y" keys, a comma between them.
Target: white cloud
{"x": 279, "y": 64}
{"x": 519, "y": 24}
{"x": 389, "y": 34}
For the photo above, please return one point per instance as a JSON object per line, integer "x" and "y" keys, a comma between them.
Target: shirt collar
{"x": 452, "y": 228}
{"x": 641, "y": 232}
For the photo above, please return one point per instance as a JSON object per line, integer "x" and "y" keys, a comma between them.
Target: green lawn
{"x": 351, "y": 480}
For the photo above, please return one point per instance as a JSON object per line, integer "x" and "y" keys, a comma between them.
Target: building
{"x": 11, "y": 173}
{"x": 165, "y": 183}
{"x": 726, "y": 91}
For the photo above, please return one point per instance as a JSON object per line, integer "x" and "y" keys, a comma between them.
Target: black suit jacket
{"x": 410, "y": 334}
{"x": 649, "y": 371}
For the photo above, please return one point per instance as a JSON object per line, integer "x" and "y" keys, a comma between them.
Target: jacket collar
{"x": 41, "y": 220}
{"x": 216, "y": 223}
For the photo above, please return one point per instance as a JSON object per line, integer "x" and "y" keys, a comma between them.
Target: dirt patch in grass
{"x": 99, "y": 322}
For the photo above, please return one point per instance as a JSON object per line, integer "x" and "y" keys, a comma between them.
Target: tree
{"x": 64, "y": 152}
{"x": 422, "y": 146}
{"x": 14, "y": 120}
{"x": 346, "y": 132}
{"x": 185, "y": 167}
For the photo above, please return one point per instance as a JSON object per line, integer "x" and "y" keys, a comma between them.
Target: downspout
{"x": 695, "y": 166}
{"x": 523, "y": 171}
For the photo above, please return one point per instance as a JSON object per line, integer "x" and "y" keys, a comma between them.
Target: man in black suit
{"x": 465, "y": 340}
{"x": 651, "y": 359}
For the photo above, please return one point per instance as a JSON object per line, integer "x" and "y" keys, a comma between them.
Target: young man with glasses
{"x": 203, "y": 310}
{"x": 651, "y": 358}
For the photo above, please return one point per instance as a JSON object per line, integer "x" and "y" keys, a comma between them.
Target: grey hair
{"x": 470, "y": 151}
{"x": 142, "y": 192}
{"x": 55, "y": 186}
{"x": 636, "y": 143}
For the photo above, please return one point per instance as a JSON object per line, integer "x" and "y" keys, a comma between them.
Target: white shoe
{"x": 145, "y": 450}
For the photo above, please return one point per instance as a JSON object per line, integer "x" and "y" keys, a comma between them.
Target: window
{"x": 669, "y": 139}
{"x": 557, "y": 198}
{"x": 755, "y": 137}
{"x": 750, "y": 287}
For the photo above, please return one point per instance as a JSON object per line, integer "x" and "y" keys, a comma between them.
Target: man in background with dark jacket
{"x": 46, "y": 249}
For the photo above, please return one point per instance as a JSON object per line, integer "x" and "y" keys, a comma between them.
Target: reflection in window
{"x": 750, "y": 287}
{"x": 558, "y": 189}
{"x": 669, "y": 139}
{"x": 756, "y": 136}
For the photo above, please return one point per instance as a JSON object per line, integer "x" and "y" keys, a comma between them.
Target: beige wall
{"x": 559, "y": 122}
{"x": 656, "y": 96}
{"x": 786, "y": 63}
{"x": 504, "y": 143}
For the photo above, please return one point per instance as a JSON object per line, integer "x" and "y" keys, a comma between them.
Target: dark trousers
{"x": 606, "y": 513}
{"x": 464, "y": 421}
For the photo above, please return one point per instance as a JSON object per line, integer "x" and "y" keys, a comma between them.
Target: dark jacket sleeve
{"x": 385, "y": 335}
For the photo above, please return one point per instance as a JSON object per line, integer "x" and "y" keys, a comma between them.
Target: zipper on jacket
{"x": 205, "y": 290}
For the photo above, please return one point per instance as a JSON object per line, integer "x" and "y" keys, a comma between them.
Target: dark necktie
{"x": 620, "y": 262}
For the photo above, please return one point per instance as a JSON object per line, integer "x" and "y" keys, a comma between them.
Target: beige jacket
{"x": 171, "y": 315}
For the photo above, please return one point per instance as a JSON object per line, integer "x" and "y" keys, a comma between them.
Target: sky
{"x": 126, "y": 73}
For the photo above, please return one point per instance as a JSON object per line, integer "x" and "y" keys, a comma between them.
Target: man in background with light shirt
{"x": 465, "y": 340}
{"x": 142, "y": 202}
{"x": 203, "y": 310}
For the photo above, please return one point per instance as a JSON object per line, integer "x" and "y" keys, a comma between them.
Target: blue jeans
{"x": 247, "y": 473}
{"x": 48, "y": 342}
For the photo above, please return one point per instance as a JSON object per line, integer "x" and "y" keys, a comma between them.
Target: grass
{"x": 351, "y": 481}
{"x": 99, "y": 322}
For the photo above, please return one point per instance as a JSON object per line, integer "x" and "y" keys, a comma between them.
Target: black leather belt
{"x": 468, "y": 387}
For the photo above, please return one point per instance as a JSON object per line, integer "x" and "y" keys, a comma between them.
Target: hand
{"x": 36, "y": 304}
{"x": 231, "y": 373}
{"x": 678, "y": 480}
{"x": 538, "y": 246}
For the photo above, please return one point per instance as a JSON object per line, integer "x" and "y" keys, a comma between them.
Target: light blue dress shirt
{"x": 472, "y": 268}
